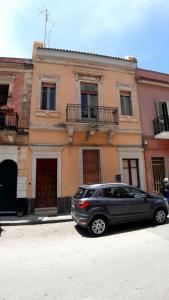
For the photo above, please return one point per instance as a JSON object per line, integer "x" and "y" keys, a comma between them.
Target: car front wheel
{"x": 160, "y": 216}
{"x": 98, "y": 226}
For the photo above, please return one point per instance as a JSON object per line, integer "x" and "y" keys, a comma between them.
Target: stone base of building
{"x": 63, "y": 205}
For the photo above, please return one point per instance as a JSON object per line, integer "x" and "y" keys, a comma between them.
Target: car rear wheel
{"x": 160, "y": 216}
{"x": 98, "y": 226}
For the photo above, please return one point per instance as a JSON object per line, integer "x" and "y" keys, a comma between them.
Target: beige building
{"x": 84, "y": 125}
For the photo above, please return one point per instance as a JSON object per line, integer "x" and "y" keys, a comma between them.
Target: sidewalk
{"x": 32, "y": 219}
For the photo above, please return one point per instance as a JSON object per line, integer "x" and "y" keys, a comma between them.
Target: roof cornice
{"x": 48, "y": 53}
{"x": 152, "y": 81}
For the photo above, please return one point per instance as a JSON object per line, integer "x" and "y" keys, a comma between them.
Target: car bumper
{"x": 82, "y": 221}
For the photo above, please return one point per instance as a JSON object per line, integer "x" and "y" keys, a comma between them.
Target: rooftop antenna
{"x": 49, "y": 38}
{"x": 44, "y": 11}
{"x": 49, "y": 23}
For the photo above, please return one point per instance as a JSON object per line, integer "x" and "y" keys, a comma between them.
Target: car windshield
{"x": 84, "y": 193}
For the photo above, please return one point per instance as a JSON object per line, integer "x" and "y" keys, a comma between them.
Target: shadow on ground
{"x": 120, "y": 228}
{"x": 1, "y": 231}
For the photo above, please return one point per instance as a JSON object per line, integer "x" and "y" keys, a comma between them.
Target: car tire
{"x": 160, "y": 216}
{"x": 98, "y": 226}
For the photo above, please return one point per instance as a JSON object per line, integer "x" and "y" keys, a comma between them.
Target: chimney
{"x": 35, "y": 46}
{"x": 131, "y": 58}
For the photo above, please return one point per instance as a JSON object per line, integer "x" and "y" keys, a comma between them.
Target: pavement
{"x": 33, "y": 219}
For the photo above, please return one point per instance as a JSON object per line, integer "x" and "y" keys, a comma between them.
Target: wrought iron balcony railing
{"x": 77, "y": 113}
{"x": 9, "y": 121}
{"x": 161, "y": 124}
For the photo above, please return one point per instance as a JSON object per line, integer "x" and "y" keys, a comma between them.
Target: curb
{"x": 36, "y": 221}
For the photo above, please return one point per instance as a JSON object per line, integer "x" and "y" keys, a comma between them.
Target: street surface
{"x": 57, "y": 261}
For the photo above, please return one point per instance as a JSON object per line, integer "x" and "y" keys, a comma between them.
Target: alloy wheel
{"x": 160, "y": 216}
{"x": 98, "y": 226}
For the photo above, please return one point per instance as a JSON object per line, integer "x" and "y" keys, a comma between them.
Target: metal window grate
{"x": 91, "y": 166}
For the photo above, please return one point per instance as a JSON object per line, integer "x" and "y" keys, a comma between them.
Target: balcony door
{"x": 89, "y": 100}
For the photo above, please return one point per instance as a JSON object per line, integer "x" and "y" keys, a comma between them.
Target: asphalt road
{"x": 57, "y": 261}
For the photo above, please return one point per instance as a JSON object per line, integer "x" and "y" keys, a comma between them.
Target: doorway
{"x": 46, "y": 183}
{"x": 8, "y": 186}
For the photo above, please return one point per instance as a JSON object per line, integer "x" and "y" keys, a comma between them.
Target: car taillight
{"x": 83, "y": 204}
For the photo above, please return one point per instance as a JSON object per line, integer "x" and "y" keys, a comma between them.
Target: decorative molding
{"x": 87, "y": 76}
{"x": 52, "y": 78}
{"x": 46, "y": 152}
{"x": 54, "y": 54}
{"x": 110, "y": 135}
{"x": 70, "y": 134}
{"x": 47, "y": 113}
{"x": 133, "y": 153}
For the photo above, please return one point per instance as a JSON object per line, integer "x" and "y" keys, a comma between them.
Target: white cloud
{"x": 10, "y": 11}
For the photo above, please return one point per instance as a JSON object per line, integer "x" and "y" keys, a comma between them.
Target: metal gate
{"x": 158, "y": 172}
{"x": 8, "y": 186}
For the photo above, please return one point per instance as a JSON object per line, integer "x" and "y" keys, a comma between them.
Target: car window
{"x": 130, "y": 192}
{"x": 84, "y": 193}
{"x": 89, "y": 193}
{"x": 79, "y": 194}
{"x": 111, "y": 192}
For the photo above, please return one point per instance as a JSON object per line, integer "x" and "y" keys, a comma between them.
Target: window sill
{"x": 47, "y": 113}
{"x": 128, "y": 119}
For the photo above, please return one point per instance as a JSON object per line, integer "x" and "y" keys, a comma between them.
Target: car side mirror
{"x": 144, "y": 196}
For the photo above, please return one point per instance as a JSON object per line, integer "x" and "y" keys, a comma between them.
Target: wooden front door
{"x": 91, "y": 166}
{"x": 46, "y": 183}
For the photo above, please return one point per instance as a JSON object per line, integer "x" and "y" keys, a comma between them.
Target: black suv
{"x": 99, "y": 205}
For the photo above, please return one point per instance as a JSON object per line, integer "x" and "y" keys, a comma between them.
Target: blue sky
{"x": 111, "y": 27}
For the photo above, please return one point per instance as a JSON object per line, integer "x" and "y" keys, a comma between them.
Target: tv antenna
{"x": 44, "y": 11}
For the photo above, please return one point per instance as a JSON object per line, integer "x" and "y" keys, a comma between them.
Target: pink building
{"x": 153, "y": 93}
{"x": 15, "y": 96}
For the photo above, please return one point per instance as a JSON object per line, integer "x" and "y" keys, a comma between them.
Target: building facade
{"x": 84, "y": 125}
{"x": 15, "y": 96}
{"x": 153, "y": 92}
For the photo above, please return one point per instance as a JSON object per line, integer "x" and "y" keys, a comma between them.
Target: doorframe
{"x": 46, "y": 153}
{"x": 81, "y": 161}
{"x": 133, "y": 153}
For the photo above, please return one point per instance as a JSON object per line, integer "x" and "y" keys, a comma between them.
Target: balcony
{"x": 9, "y": 121}
{"x": 161, "y": 127}
{"x": 100, "y": 115}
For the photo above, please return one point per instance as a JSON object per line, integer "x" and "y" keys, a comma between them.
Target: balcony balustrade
{"x": 76, "y": 113}
{"x": 9, "y": 120}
